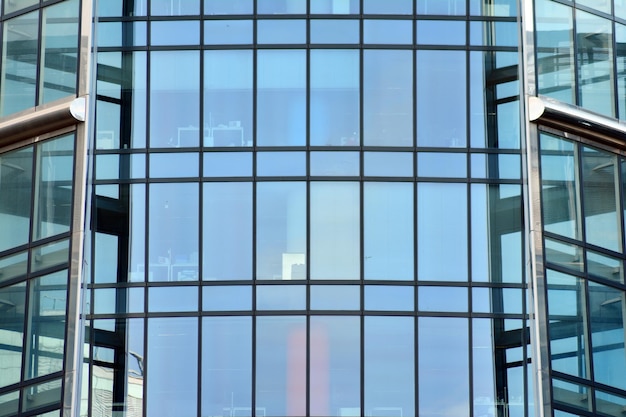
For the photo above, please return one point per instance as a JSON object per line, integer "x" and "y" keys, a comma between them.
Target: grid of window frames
{"x": 581, "y": 53}
{"x": 307, "y": 209}
{"x": 583, "y": 195}
{"x": 35, "y": 214}
{"x": 39, "y": 52}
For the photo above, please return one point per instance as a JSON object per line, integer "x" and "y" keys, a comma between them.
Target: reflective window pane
{"x": 16, "y": 176}
{"x": 12, "y": 305}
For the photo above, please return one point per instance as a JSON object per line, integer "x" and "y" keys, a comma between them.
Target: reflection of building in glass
{"x": 312, "y": 208}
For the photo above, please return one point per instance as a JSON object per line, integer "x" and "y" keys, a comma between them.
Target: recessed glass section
{"x": 336, "y": 31}
{"x": 227, "y": 164}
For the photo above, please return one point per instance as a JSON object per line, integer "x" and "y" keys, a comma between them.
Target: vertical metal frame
{"x": 75, "y": 321}
{"x": 533, "y": 223}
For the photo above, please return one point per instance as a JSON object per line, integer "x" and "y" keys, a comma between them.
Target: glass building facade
{"x": 385, "y": 208}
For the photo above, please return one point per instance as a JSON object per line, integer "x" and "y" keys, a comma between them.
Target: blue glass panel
{"x": 442, "y": 232}
{"x": 227, "y": 164}
{"x": 281, "y": 345}
{"x": 172, "y": 383}
{"x": 444, "y": 363}
{"x": 388, "y": 31}
{"x": 334, "y": 97}
{"x": 174, "y": 7}
{"x": 334, "y": 6}
{"x": 389, "y": 298}
{"x": 176, "y": 32}
{"x": 165, "y": 299}
{"x": 228, "y": 7}
{"x": 174, "y": 165}
{"x": 440, "y": 32}
{"x": 227, "y": 32}
{"x": 444, "y": 165}
{"x": 226, "y": 298}
{"x": 388, "y": 6}
{"x": 334, "y": 362}
{"x": 452, "y": 299}
{"x": 389, "y": 363}
{"x": 281, "y": 98}
{"x": 441, "y": 7}
{"x": 388, "y": 231}
{"x": 334, "y": 31}
{"x": 15, "y": 195}
{"x": 388, "y": 164}
{"x": 281, "y": 31}
{"x": 13, "y": 305}
{"x": 227, "y": 366}
{"x": 280, "y": 297}
{"x": 280, "y": 164}
{"x": 335, "y": 297}
{"x": 334, "y": 164}
{"x": 281, "y": 6}
{"x": 441, "y": 98}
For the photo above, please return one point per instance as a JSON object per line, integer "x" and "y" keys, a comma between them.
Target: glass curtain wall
{"x": 307, "y": 208}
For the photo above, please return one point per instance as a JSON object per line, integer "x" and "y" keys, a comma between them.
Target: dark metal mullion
{"x": 361, "y": 170}
{"x": 308, "y": 147}
{"x": 200, "y": 185}
{"x": 253, "y": 381}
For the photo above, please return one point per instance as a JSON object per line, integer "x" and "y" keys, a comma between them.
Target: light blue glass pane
{"x": 19, "y": 69}
{"x": 441, "y": 7}
{"x": 388, "y": 31}
{"x": 508, "y": 125}
{"x": 109, "y": 33}
{"x": 105, "y": 249}
{"x": 227, "y": 7}
{"x": 389, "y": 298}
{"x": 9, "y": 403}
{"x": 168, "y": 299}
{"x": 281, "y": 98}
{"x": 483, "y": 354}
{"x": 137, "y": 166}
{"x": 280, "y": 164}
{"x": 506, "y": 8}
{"x": 334, "y": 164}
{"x": 13, "y": 266}
{"x": 227, "y": 32}
{"x": 174, "y": 7}
{"x": 107, "y": 167}
{"x": 509, "y": 167}
{"x": 388, "y": 97}
{"x": 563, "y": 254}
{"x": 497, "y": 300}
{"x": 281, "y": 6}
{"x": 281, "y": 230}
{"x": 173, "y": 165}
{"x": 173, "y": 231}
{"x": 174, "y": 98}
{"x": 281, "y": 31}
{"x": 16, "y": 176}
{"x": 13, "y": 304}
{"x": 605, "y": 267}
{"x": 50, "y": 255}
{"x": 607, "y": 404}
{"x": 334, "y": 97}
{"x": 137, "y": 233}
{"x": 226, "y": 298}
{"x": 440, "y": 32}
{"x": 136, "y": 299}
{"x": 620, "y": 39}
{"x": 493, "y": 33}
{"x": 442, "y": 299}
{"x": 226, "y": 366}
{"x": 227, "y": 231}
{"x": 335, "y": 230}
{"x": 441, "y": 98}
{"x": 334, "y": 31}
{"x": 172, "y": 383}
{"x": 227, "y": 98}
{"x": 280, "y": 297}
{"x": 176, "y": 32}
{"x": 335, "y": 364}
{"x": 281, "y": 366}
{"x": 444, "y": 363}
{"x": 388, "y": 164}
{"x": 389, "y": 374}
{"x": 45, "y": 394}
{"x": 335, "y": 297}
{"x": 334, "y": 6}
{"x": 442, "y": 232}
{"x": 388, "y": 6}
{"x": 227, "y": 164}
{"x": 388, "y": 231}
{"x": 444, "y": 165}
